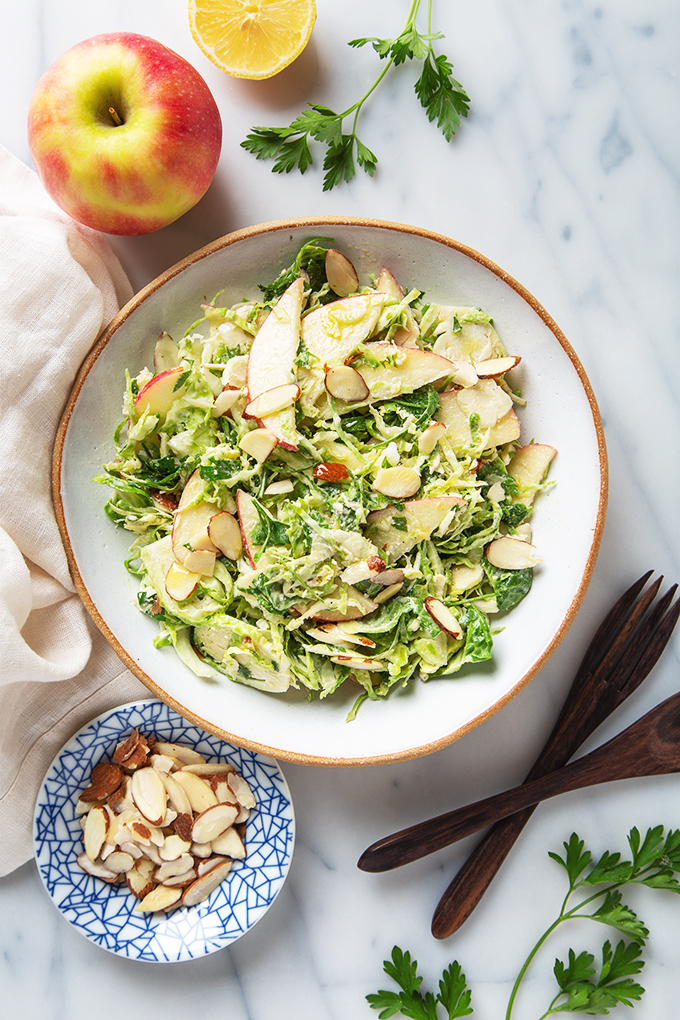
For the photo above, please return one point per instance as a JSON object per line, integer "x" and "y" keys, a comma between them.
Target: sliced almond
{"x": 184, "y": 879}
{"x": 185, "y": 755}
{"x": 387, "y": 593}
{"x": 280, "y": 487}
{"x": 397, "y": 482}
{"x": 241, "y": 790}
{"x": 204, "y": 886}
{"x": 512, "y": 554}
{"x": 180, "y": 582}
{"x": 242, "y": 817}
{"x": 222, "y": 791}
{"x": 428, "y": 439}
{"x": 213, "y": 822}
{"x": 463, "y": 578}
{"x": 148, "y": 792}
{"x": 209, "y": 863}
{"x": 176, "y": 794}
{"x": 344, "y": 383}
{"x": 443, "y": 617}
{"x": 494, "y": 367}
{"x": 225, "y": 533}
{"x": 139, "y": 879}
{"x": 95, "y": 868}
{"x": 230, "y": 844}
{"x": 132, "y": 849}
{"x": 340, "y": 273}
{"x": 331, "y": 634}
{"x": 126, "y": 747}
{"x": 331, "y": 472}
{"x": 106, "y": 850}
{"x": 96, "y": 827}
{"x": 168, "y": 818}
{"x": 199, "y": 793}
{"x": 201, "y": 849}
{"x": 139, "y": 756}
{"x": 105, "y": 779}
{"x": 139, "y": 833}
{"x": 388, "y": 577}
{"x": 119, "y": 862}
{"x": 173, "y": 848}
{"x": 258, "y": 444}
{"x": 354, "y": 662}
{"x": 168, "y": 869}
{"x": 151, "y": 852}
{"x": 183, "y": 825}
{"x": 162, "y": 763}
{"x": 160, "y": 898}
{"x": 224, "y": 402}
{"x": 210, "y": 768}
{"x": 272, "y": 401}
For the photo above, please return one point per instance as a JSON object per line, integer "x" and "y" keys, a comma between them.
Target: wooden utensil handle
{"x": 476, "y": 874}
{"x": 625, "y": 756}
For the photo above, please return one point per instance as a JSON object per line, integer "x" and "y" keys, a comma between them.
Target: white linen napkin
{"x": 60, "y": 283}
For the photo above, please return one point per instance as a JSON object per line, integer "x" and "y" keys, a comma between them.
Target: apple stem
{"x": 115, "y": 117}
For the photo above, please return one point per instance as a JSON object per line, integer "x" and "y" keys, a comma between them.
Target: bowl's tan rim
{"x": 316, "y": 222}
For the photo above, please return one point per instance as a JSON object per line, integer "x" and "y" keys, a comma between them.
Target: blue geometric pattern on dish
{"x": 105, "y": 913}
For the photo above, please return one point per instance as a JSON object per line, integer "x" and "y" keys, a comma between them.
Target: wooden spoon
{"x": 650, "y": 747}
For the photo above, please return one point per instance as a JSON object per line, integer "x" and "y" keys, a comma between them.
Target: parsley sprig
{"x": 443, "y": 98}
{"x": 582, "y": 987}
{"x": 452, "y": 995}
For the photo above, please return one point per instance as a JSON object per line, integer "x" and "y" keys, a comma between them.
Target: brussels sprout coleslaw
{"x": 327, "y": 484}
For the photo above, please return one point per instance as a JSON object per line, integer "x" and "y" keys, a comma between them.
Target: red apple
{"x": 124, "y": 133}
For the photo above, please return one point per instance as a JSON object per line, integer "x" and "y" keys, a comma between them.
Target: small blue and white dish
{"x": 105, "y": 913}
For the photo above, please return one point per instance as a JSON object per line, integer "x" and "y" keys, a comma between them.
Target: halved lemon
{"x": 252, "y": 38}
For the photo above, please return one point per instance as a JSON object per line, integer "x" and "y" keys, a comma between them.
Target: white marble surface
{"x": 566, "y": 174}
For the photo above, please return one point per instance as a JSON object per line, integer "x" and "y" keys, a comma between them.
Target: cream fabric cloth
{"x": 60, "y": 283}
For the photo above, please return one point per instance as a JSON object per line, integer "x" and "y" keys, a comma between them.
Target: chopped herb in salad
{"x": 328, "y": 484}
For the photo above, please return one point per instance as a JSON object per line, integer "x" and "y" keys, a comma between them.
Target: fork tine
{"x": 656, "y": 639}
{"x": 628, "y": 628}
{"x": 609, "y": 628}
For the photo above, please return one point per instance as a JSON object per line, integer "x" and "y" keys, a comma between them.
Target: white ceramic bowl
{"x": 568, "y": 521}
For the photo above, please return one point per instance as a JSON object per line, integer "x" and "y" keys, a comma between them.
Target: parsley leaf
{"x": 453, "y": 994}
{"x": 443, "y": 98}
{"x": 614, "y": 985}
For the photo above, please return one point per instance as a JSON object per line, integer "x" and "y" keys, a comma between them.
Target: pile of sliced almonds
{"x": 164, "y": 820}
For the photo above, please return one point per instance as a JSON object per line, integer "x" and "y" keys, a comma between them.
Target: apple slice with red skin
{"x": 423, "y": 516}
{"x": 248, "y": 519}
{"x": 190, "y": 525}
{"x": 400, "y": 369}
{"x": 160, "y": 393}
{"x": 334, "y": 331}
{"x": 528, "y": 467}
{"x": 271, "y": 361}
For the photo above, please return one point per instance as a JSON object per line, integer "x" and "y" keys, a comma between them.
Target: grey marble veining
{"x": 566, "y": 175}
